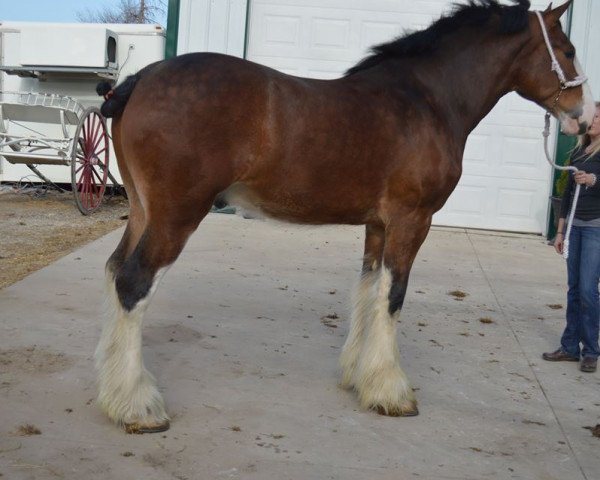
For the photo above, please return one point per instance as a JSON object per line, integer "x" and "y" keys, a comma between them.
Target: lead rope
{"x": 546, "y": 134}
{"x": 564, "y": 84}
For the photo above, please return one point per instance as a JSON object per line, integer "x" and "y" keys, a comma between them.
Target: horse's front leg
{"x": 363, "y": 298}
{"x": 379, "y": 380}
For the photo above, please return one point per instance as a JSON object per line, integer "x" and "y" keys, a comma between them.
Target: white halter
{"x": 579, "y": 80}
{"x": 564, "y": 84}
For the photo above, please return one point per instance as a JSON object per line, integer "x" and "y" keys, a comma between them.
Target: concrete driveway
{"x": 244, "y": 337}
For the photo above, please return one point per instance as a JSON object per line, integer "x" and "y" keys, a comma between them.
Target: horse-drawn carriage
{"x": 62, "y": 125}
{"x": 79, "y": 141}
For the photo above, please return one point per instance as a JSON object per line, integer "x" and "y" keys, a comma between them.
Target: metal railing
{"x": 50, "y": 100}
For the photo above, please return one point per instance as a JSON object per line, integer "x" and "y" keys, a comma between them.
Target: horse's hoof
{"x": 139, "y": 428}
{"x": 413, "y": 411}
{"x": 346, "y": 385}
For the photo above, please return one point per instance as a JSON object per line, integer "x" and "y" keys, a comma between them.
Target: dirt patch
{"x": 457, "y": 294}
{"x": 533, "y": 422}
{"x": 28, "y": 430}
{"x": 38, "y": 227}
{"x": 175, "y": 333}
{"x": 595, "y": 430}
{"x": 33, "y": 360}
{"x": 329, "y": 320}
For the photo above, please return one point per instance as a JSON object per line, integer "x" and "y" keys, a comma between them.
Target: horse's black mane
{"x": 513, "y": 19}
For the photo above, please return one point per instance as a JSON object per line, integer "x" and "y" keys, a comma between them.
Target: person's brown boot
{"x": 588, "y": 364}
{"x": 559, "y": 356}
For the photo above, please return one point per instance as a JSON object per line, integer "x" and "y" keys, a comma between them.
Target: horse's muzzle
{"x": 583, "y": 128}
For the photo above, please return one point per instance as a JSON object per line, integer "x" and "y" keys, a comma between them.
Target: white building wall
{"x": 585, "y": 35}
{"x": 212, "y": 26}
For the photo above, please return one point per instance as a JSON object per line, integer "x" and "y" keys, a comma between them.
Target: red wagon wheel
{"x": 89, "y": 161}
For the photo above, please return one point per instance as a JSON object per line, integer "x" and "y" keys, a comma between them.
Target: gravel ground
{"x": 38, "y": 226}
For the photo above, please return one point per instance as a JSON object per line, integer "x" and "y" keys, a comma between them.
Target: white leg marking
{"x": 380, "y": 382}
{"x": 126, "y": 390}
{"x": 362, "y": 305}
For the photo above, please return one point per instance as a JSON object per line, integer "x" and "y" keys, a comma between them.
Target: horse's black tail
{"x": 115, "y": 99}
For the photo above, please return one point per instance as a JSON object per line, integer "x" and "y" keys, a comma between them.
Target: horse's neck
{"x": 469, "y": 80}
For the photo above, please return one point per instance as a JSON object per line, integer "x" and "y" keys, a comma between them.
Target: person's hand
{"x": 582, "y": 178}
{"x": 559, "y": 243}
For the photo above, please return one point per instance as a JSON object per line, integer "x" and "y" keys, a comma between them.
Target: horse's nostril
{"x": 583, "y": 128}
{"x": 575, "y": 114}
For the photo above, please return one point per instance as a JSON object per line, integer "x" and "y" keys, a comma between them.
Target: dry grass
{"x": 36, "y": 231}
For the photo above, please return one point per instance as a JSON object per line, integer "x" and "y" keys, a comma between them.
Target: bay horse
{"x": 381, "y": 146}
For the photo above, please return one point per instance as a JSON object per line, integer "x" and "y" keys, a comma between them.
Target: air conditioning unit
{"x": 85, "y": 46}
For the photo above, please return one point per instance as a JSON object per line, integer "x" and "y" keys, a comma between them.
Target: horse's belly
{"x": 241, "y": 197}
{"x": 303, "y": 208}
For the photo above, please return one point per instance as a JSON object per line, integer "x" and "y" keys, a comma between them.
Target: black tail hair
{"x": 116, "y": 98}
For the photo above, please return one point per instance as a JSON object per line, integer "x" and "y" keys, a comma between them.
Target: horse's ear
{"x": 552, "y": 16}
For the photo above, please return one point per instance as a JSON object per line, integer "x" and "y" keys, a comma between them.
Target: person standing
{"x": 580, "y": 337}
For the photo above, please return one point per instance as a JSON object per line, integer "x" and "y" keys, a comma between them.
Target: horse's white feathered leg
{"x": 379, "y": 381}
{"x": 126, "y": 390}
{"x": 362, "y": 302}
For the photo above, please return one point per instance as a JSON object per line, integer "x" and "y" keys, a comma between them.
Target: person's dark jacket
{"x": 588, "y": 204}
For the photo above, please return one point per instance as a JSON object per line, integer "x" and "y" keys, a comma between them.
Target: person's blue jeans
{"x": 583, "y": 307}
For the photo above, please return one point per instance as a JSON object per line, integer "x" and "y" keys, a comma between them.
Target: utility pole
{"x": 142, "y": 15}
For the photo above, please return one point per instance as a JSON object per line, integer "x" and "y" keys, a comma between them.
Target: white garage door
{"x": 506, "y": 180}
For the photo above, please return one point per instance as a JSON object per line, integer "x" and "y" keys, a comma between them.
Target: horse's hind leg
{"x": 363, "y": 299}
{"x": 379, "y": 380}
{"x": 127, "y": 391}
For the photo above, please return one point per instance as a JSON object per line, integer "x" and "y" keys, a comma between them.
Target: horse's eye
{"x": 570, "y": 54}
